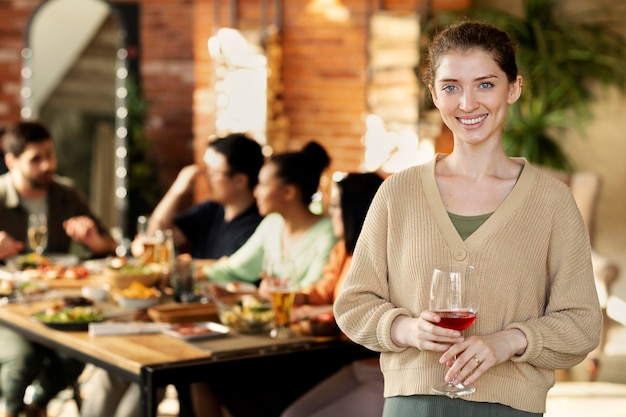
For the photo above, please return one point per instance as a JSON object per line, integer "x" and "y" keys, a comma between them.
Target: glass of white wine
{"x": 38, "y": 232}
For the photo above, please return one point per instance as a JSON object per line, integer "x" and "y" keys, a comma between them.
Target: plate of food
{"x": 33, "y": 266}
{"x": 195, "y": 331}
{"x": 73, "y": 314}
{"x": 21, "y": 290}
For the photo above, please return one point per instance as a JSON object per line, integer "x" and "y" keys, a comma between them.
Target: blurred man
{"x": 32, "y": 187}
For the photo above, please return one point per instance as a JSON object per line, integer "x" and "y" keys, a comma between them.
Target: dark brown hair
{"x": 465, "y": 35}
{"x": 302, "y": 169}
{"x": 17, "y": 137}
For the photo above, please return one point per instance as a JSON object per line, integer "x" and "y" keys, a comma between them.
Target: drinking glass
{"x": 182, "y": 278}
{"x": 157, "y": 247}
{"x": 282, "y": 285}
{"x": 454, "y": 297}
{"x": 38, "y": 232}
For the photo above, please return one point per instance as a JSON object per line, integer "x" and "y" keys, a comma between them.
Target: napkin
{"x": 108, "y": 329}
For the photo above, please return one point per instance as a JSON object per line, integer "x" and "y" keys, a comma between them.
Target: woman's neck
{"x": 297, "y": 223}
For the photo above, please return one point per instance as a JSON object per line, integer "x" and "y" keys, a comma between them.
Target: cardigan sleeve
{"x": 570, "y": 327}
{"x": 363, "y": 310}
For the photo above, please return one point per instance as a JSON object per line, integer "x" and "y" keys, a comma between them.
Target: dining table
{"x": 265, "y": 374}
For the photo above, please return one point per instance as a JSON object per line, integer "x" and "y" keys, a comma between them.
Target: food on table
{"x": 76, "y": 301}
{"x": 31, "y": 260}
{"x": 6, "y": 287}
{"x": 124, "y": 275}
{"x": 324, "y": 325}
{"x": 34, "y": 266}
{"x": 10, "y": 287}
{"x": 138, "y": 290}
{"x": 320, "y": 324}
{"x": 117, "y": 262}
{"x": 125, "y": 268}
{"x": 61, "y": 314}
{"x": 191, "y": 329}
{"x": 248, "y": 313}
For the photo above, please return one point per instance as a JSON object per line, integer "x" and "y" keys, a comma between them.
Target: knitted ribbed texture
{"x": 534, "y": 265}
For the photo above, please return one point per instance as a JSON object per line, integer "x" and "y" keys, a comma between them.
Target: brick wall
{"x": 323, "y": 72}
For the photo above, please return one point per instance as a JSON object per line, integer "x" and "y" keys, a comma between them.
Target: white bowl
{"x": 137, "y": 303}
{"x": 95, "y": 293}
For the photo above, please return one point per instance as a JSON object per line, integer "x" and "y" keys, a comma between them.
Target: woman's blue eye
{"x": 486, "y": 85}
{"x": 449, "y": 88}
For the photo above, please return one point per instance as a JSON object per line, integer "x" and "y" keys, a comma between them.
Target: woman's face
{"x": 270, "y": 191}
{"x": 472, "y": 94}
{"x": 334, "y": 210}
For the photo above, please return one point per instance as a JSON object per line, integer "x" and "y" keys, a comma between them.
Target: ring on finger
{"x": 478, "y": 361}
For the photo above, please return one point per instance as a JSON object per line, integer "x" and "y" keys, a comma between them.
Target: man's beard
{"x": 41, "y": 182}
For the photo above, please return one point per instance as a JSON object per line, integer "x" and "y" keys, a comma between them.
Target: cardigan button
{"x": 460, "y": 254}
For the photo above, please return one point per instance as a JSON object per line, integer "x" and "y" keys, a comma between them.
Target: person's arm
{"x": 247, "y": 262}
{"x": 83, "y": 229}
{"x": 163, "y": 215}
{"x": 9, "y": 246}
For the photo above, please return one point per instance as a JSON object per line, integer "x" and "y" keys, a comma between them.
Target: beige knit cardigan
{"x": 533, "y": 260}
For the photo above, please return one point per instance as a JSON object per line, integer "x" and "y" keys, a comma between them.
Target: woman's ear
{"x": 240, "y": 179}
{"x": 433, "y": 95}
{"x": 9, "y": 160}
{"x": 515, "y": 89}
{"x": 290, "y": 192}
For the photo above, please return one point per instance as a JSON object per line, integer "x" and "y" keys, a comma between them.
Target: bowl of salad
{"x": 245, "y": 313}
{"x": 123, "y": 273}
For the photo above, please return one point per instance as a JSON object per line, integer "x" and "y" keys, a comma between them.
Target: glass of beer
{"x": 282, "y": 284}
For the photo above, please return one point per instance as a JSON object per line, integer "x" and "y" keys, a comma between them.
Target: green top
{"x": 309, "y": 254}
{"x": 466, "y": 225}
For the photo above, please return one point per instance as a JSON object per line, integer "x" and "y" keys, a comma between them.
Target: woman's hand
{"x": 423, "y": 332}
{"x": 476, "y": 354}
{"x": 264, "y": 291}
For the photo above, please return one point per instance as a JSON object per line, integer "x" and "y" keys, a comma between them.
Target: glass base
{"x": 281, "y": 333}
{"x": 453, "y": 390}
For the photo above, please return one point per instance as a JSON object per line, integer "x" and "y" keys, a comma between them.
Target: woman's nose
{"x": 468, "y": 101}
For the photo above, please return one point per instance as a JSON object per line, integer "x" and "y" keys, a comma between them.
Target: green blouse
{"x": 309, "y": 254}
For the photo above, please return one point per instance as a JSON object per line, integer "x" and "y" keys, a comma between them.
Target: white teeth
{"x": 472, "y": 121}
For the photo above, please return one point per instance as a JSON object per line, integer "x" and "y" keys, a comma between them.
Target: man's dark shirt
{"x": 209, "y": 235}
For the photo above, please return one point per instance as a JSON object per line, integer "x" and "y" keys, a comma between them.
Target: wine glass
{"x": 282, "y": 285}
{"x": 454, "y": 298}
{"x": 38, "y": 232}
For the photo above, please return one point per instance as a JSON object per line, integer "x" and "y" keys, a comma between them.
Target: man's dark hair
{"x": 23, "y": 133}
{"x": 242, "y": 153}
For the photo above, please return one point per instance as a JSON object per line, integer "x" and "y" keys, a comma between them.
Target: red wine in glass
{"x": 457, "y": 320}
{"x": 454, "y": 297}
